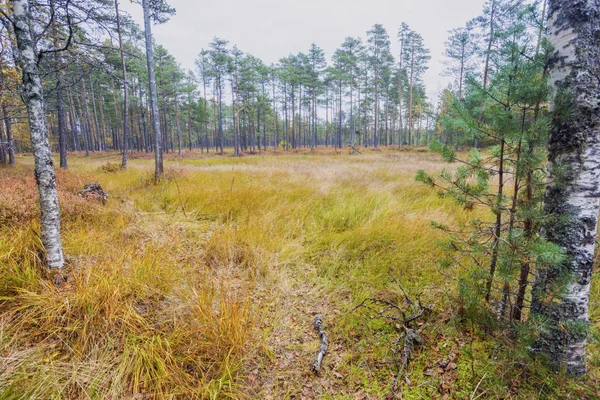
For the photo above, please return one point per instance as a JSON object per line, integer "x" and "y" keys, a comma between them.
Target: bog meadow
{"x": 322, "y": 226}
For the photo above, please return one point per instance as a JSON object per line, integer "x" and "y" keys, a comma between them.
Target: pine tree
{"x": 381, "y": 59}
{"x": 125, "y": 101}
{"x": 219, "y": 61}
{"x": 496, "y": 256}
{"x": 316, "y": 58}
{"x": 416, "y": 59}
{"x": 460, "y": 49}
{"x": 158, "y": 11}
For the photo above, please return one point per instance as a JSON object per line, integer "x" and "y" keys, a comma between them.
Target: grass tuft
{"x": 204, "y": 286}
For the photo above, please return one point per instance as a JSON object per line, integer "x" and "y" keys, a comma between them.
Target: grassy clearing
{"x": 205, "y": 285}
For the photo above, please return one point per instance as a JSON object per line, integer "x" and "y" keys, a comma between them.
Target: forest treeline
{"x": 360, "y": 95}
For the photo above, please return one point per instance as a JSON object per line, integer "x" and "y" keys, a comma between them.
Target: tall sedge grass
{"x": 136, "y": 314}
{"x": 180, "y": 290}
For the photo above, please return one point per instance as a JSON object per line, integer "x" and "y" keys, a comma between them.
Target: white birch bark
{"x": 44, "y": 164}
{"x": 572, "y": 197}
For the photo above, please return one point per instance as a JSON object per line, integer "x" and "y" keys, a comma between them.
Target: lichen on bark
{"x": 572, "y": 199}
{"x": 44, "y": 164}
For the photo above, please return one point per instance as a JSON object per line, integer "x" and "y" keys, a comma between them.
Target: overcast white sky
{"x": 271, "y": 29}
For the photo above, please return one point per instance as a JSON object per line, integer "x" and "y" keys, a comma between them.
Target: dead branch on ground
{"x": 94, "y": 191}
{"x": 318, "y": 325}
{"x": 404, "y": 313}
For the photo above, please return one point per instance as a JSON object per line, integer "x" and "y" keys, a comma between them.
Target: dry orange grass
{"x": 205, "y": 285}
{"x": 134, "y": 317}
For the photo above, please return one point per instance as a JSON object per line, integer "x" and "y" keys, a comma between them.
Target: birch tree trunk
{"x": 158, "y": 158}
{"x": 572, "y": 199}
{"x": 44, "y": 164}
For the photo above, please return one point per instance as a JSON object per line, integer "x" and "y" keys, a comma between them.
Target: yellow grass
{"x": 205, "y": 285}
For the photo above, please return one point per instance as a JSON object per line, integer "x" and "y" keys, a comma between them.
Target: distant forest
{"x": 360, "y": 95}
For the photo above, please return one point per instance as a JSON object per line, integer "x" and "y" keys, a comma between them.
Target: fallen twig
{"x": 318, "y": 324}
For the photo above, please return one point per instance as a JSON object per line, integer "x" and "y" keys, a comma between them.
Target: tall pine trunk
{"x": 189, "y": 121}
{"x": 84, "y": 132}
{"x": 285, "y": 112}
{"x": 313, "y": 142}
{"x": 486, "y": 68}
{"x": 339, "y": 141}
{"x": 206, "y": 120}
{"x": 299, "y": 139}
{"x": 528, "y": 224}
{"x": 275, "y": 130}
{"x": 293, "y": 119}
{"x": 158, "y": 159}
{"x": 125, "y": 100}
{"x": 220, "y": 115}
{"x": 73, "y": 119}
{"x": 177, "y": 124}
{"x": 90, "y": 127}
{"x": 234, "y": 110}
{"x": 410, "y": 98}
